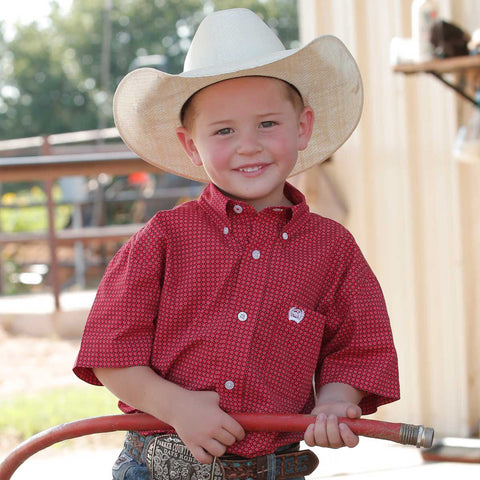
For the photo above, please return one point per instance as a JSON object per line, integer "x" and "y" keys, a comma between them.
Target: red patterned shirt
{"x": 215, "y": 296}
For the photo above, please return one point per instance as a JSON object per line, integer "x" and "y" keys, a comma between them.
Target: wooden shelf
{"x": 465, "y": 70}
{"x": 446, "y": 65}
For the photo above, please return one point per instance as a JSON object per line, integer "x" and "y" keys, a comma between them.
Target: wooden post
{"x": 52, "y": 239}
{"x": 1, "y": 251}
{"x": 52, "y": 243}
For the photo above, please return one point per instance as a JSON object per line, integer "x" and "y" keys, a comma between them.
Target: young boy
{"x": 243, "y": 300}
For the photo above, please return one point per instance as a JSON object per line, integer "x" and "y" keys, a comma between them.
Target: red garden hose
{"x": 252, "y": 422}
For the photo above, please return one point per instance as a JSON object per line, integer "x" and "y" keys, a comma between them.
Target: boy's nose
{"x": 248, "y": 143}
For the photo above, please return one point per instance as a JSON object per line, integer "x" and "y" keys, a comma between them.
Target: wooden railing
{"x": 48, "y": 168}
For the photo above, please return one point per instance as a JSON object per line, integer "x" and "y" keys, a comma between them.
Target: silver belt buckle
{"x": 167, "y": 458}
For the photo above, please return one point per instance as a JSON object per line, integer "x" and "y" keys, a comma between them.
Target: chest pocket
{"x": 291, "y": 349}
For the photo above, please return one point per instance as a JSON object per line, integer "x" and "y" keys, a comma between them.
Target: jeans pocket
{"x": 127, "y": 468}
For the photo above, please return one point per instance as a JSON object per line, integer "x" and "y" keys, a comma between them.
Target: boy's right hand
{"x": 203, "y": 426}
{"x": 195, "y": 415}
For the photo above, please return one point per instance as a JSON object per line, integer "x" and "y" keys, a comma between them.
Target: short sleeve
{"x": 358, "y": 347}
{"x": 120, "y": 328}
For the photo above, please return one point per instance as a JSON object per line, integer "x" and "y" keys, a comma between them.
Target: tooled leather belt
{"x": 167, "y": 458}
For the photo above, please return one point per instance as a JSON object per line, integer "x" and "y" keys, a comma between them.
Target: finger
{"x": 333, "y": 432}
{"x": 349, "y": 438}
{"x": 201, "y": 455}
{"x": 225, "y": 437}
{"x": 354, "y": 411}
{"x": 320, "y": 432}
{"x": 309, "y": 436}
{"x": 215, "y": 448}
{"x": 233, "y": 427}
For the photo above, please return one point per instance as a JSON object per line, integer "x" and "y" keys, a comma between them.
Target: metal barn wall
{"x": 413, "y": 209}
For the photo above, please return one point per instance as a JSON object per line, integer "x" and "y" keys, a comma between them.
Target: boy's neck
{"x": 260, "y": 204}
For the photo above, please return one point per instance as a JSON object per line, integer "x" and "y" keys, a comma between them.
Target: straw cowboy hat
{"x": 230, "y": 44}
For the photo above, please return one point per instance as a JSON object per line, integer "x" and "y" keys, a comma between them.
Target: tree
{"x": 45, "y": 95}
{"x": 54, "y": 81}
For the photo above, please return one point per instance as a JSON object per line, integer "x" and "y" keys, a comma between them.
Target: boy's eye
{"x": 267, "y": 124}
{"x": 224, "y": 131}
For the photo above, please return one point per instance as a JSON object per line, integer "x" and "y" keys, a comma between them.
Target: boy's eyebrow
{"x": 228, "y": 120}
{"x": 219, "y": 122}
{"x": 268, "y": 114}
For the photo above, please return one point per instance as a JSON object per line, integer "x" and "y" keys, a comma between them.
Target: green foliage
{"x": 32, "y": 218}
{"x": 25, "y": 415}
{"x": 51, "y": 77}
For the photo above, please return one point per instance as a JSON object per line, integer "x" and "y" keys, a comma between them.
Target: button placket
{"x": 245, "y": 303}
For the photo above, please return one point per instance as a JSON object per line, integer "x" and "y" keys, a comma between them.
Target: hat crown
{"x": 230, "y": 36}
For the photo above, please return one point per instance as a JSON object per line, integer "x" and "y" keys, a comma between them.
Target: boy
{"x": 237, "y": 301}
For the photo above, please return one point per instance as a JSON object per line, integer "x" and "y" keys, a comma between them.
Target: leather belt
{"x": 168, "y": 458}
{"x": 285, "y": 465}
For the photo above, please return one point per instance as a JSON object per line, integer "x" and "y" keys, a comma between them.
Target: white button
{"x": 225, "y": 230}
{"x": 238, "y": 209}
{"x": 256, "y": 254}
{"x": 285, "y": 235}
{"x": 242, "y": 316}
{"x": 229, "y": 385}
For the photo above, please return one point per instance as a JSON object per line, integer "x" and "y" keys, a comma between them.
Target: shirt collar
{"x": 215, "y": 201}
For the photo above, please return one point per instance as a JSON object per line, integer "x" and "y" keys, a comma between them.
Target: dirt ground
{"x": 31, "y": 364}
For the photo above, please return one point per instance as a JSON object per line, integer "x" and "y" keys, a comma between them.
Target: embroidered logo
{"x": 296, "y": 314}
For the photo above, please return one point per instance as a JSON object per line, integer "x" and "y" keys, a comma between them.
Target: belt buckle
{"x": 167, "y": 458}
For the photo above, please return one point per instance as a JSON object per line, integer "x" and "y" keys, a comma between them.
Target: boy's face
{"x": 246, "y": 132}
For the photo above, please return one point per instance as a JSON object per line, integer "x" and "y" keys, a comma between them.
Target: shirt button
{"x": 238, "y": 209}
{"x": 285, "y": 235}
{"x": 229, "y": 385}
{"x": 256, "y": 254}
{"x": 226, "y": 230}
{"x": 242, "y": 316}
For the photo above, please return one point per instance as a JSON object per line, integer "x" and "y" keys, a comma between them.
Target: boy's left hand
{"x": 327, "y": 431}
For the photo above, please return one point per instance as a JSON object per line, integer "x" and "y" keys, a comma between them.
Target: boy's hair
{"x": 187, "y": 113}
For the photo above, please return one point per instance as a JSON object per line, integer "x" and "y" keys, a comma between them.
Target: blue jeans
{"x": 127, "y": 468}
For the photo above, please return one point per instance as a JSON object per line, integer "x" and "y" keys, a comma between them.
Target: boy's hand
{"x": 326, "y": 431}
{"x": 196, "y": 416}
{"x": 203, "y": 426}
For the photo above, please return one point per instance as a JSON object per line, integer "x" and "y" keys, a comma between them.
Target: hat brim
{"x": 147, "y": 102}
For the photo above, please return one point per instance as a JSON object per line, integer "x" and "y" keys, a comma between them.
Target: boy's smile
{"x": 246, "y": 132}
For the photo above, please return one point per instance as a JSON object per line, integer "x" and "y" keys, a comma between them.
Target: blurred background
{"x": 406, "y": 184}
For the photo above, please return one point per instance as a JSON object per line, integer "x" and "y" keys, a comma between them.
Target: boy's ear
{"x": 185, "y": 138}
{"x": 305, "y": 127}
